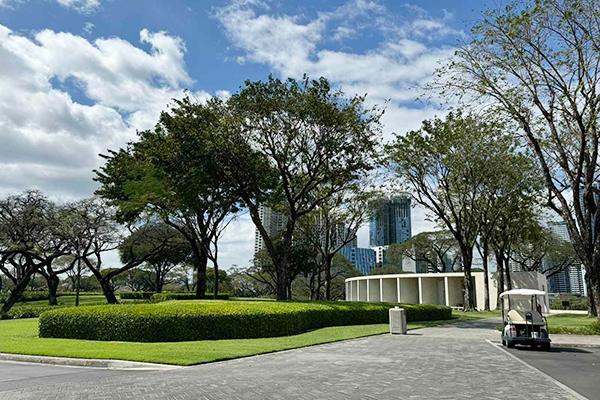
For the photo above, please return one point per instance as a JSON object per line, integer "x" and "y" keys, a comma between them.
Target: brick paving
{"x": 434, "y": 363}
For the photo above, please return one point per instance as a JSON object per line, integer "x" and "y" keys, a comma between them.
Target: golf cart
{"x": 523, "y": 319}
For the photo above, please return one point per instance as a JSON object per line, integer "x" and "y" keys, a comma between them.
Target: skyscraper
{"x": 362, "y": 259}
{"x": 390, "y": 222}
{"x": 569, "y": 280}
{"x": 273, "y": 221}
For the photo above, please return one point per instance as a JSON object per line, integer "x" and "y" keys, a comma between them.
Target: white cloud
{"x": 88, "y": 28}
{"x": 81, "y": 6}
{"x": 391, "y": 72}
{"x": 50, "y": 136}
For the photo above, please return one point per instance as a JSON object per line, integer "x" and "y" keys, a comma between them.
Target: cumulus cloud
{"x": 81, "y": 6}
{"x": 391, "y": 72}
{"x": 50, "y": 137}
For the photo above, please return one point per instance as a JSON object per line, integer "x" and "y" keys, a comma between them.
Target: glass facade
{"x": 390, "y": 222}
{"x": 362, "y": 259}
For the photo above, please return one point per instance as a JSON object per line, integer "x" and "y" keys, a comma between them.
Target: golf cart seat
{"x": 519, "y": 317}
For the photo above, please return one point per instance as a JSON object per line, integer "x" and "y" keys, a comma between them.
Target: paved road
{"x": 433, "y": 363}
{"x": 25, "y": 375}
{"x": 578, "y": 368}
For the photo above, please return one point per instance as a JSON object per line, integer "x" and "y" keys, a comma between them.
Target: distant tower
{"x": 390, "y": 222}
{"x": 570, "y": 280}
{"x": 273, "y": 221}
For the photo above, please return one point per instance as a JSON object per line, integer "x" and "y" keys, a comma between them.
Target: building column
{"x": 357, "y": 290}
{"x": 368, "y": 288}
{"x": 420, "y": 290}
{"x": 398, "y": 289}
{"x": 381, "y": 290}
{"x": 446, "y": 294}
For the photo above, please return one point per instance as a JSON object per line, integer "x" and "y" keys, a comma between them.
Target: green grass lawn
{"x": 21, "y": 337}
{"x": 66, "y": 301}
{"x": 573, "y": 324}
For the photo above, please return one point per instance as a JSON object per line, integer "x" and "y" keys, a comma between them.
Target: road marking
{"x": 577, "y": 395}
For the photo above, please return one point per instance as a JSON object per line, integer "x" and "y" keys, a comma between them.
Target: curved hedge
{"x": 164, "y": 296}
{"x": 187, "y": 321}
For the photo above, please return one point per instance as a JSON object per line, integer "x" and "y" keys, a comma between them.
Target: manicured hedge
{"x": 29, "y": 295}
{"x": 167, "y": 296}
{"x": 186, "y": 321}
{"x": 158, "y": 297}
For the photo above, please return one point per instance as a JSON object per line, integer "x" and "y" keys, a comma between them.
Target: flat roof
{"x": 409, "y": 275}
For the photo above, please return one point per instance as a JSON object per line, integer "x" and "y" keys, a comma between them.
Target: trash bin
{"x": 397, "y": 321}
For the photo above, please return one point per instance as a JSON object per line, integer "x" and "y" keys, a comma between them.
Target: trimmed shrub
{"x": 30, "y": 295}
{"x": 73, "y": 293}
{"x": 569, "y": 302}
{"x": 164, "y": 296}
{"x": 26, "y": 311}
{"x": 158, "y": 297}
{"x": 136, "y": 295}
{"x": 187, "y": 321}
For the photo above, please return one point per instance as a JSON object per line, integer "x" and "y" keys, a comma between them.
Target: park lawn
{"x": 66, "y": 301}
{"x": 20, "y": 336}
{"x": 573, "y": 324}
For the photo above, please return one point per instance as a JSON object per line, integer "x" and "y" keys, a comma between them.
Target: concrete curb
{"x": 564, "y": 387}
{"x": 86, "y": 362}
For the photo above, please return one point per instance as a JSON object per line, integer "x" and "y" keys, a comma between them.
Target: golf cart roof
{"x": 523, "y": 292}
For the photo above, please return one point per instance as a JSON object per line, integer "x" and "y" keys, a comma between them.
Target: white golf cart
{"x": 523, "y": 320}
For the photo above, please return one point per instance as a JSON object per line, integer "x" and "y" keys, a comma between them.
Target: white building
{"x": 434, "y": 288}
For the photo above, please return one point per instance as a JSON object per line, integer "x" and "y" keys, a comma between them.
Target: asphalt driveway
{"x": 576, "y": 367}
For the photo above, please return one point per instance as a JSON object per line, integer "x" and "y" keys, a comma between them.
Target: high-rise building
{"x": 390, "y": 222}
{"x": 361, "y": 258}
{"x": 569, "y": 280}
{"x": 273, "y": 221}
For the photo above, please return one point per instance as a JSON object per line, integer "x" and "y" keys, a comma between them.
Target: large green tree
{"x": 437, "y": 249}
{"x": 33, "y": 236}
{"x": 170, "y": 173}
{"x": 293, "y": 145}
{"x": 448, "y": 166}
{"x": 536, "y": 62}
{"x": 158, "y": 264}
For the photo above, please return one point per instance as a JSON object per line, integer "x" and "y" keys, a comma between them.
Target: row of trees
{"x": 37, "y": 236}
{"x": 41, "y": 238}
{"x": 535, "y": 64}
{"x": 299, "y": 147}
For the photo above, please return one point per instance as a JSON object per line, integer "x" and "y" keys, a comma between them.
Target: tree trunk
{"x": 507, "y": 272}
{"x": 16, "y": 293}
{"x": 77, "y": 283}
{"x": 53, "y": 282}
{"x": 200, "y": 262}
{"x": 500, "y": 274}
{"x": 486, "y": 282}
{"x": 108, "y": 290}
{"x": 158, "y": 280}
{"x": 593, "y": 293}
{"x": 216, "y": 291}
{"x": 467, "y": 259}
{"x": 328, "y": 261}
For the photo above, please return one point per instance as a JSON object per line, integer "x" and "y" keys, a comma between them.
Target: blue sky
{"x": 80, "y": 76}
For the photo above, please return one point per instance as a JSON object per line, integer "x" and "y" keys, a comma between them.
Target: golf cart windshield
{"x": 518, "y": 303}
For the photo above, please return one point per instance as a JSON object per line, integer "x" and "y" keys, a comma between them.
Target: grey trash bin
{"x": 397, "y": 321}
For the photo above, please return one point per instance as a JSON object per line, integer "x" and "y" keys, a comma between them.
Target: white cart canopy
{"x": 523, "y": 292}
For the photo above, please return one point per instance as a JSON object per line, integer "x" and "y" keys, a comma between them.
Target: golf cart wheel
{"x": 546, "y": 347}
{"x": 510, "y": 344}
